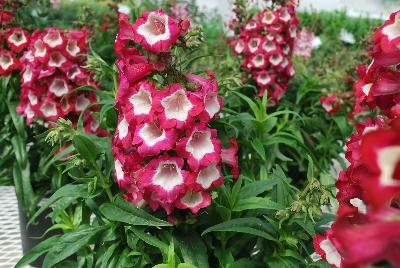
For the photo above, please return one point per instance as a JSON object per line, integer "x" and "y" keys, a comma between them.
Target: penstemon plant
{"x": 177, "y": 199}
{"x": 368, "y": 189}
{"x": 189, "y": 171}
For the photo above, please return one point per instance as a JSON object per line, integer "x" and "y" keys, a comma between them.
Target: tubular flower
{"x": 166, "y": 154}
{"x": 17, "y": 39}
{"x": 8, "y": 62}
{"x": 330, "y": 104}
{"x": 156, "y": 31}
{"x": 266, "y": 44}
{"x": 366, "y": 231}
{"x": 50, "y": 70}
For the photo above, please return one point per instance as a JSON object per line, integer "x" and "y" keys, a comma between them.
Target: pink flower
{"x": 177, "y": 107}
{"x": 331, "y": 104}
{"x": 207, "y": 177}
{"x": 17, "y": 39}
{"x": 8, "y": 62}
{"x": 165, "y": 177}
{"x": 229, "y": 156}
{"x": 200, "y": 147}
{"x": 137, "y": 102}
{"x": 325, "y": 247}
{"x": 6, "y": 17}
{"x": 304, "y": 43}
{"x": 380, "y": 152}
{"x": 180, "y": 11}
{"x": 193, "y": 201}
{"x": 156, "y": 31}
{"x": 152, "y": 139}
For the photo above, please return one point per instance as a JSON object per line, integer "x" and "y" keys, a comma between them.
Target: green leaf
{"x": 163, "y": 266}
{"x": 107, "y": 255}
{"x": 70, "y": 243}
{"x": 253, "y": 226}
{"x": 37, "y": 251}
{"x": 123, "y": 211}
{"x": 86, "y": 148}
{"x": 171, "y": 253}
{"x": 256, "y": 188}
{"x": 252, "y": 104}
{"x": 193, "y": 249}
{"x": 151, "y": 240}
{"x": 310, "y": 169}
{"x": 307, "y": 226}
{"x": 235, "y": 192}
{"x": 186, "y": 265}
{"x": 69, "y": 190}
{"x": 256, "y": 203}
{"x": 259, "y": 148}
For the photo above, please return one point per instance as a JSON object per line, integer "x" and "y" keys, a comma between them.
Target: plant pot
{"x": 30, "y": 234}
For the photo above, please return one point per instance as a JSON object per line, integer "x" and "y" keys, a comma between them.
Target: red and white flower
{"x": 194, "y": 201}
{"x": 177, "y": 107}
{"x": 17, "y": 39}
{"x": 266, "y": 43}
{"x": 152, "y": 139}
{"x": 164, "y": 176}
{"x": 156, "y": 31}
{"x": 8, "y": 62}
{"x": 330, "y": 104}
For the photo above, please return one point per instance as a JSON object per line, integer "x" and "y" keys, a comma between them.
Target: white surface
{"x": 355, "y": 8}
{"x": 10, "y": 237}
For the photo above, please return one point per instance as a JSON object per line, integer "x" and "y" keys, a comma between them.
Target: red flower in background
{"x": 266, "y": 44}
{"x": 50, "y": 69}
{"x": 330, "y": 104}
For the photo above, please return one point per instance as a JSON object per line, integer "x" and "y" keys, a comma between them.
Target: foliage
{"x": 267, "y": 218}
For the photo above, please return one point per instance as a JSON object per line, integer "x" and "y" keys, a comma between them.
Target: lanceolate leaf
{"x": 256, "y": 188}
{"x": 151, "y": 240}
{"x": 123, "y": 211}
{"x": 256, "y": 203}
{"x": 253, "y": 226}
{"x": 86, "y": 148}
{"x": 37, "y": 251}
{"x": 70, "y": 243}
{"x": 193, "y": 249}
{"x": 69, "y": 190}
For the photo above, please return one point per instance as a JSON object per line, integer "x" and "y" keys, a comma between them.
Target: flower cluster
{"x": 266, "y": 43}
{"x": 17, "y": 40}
{"x": 304, "y": 43}
{"x": 367, "y": 229}
{"x": 51, "y": 69}
{"x": 166, "y": 154}
{"x": 379, "y": 83}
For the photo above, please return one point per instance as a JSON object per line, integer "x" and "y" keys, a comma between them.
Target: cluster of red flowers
{"x": 165, "y": 152}
{"x": 303, "y": 45}
{"x": 51, "y": 68}
{"x": 17, "y": 40}
{"x": 367, "y": 229}
{"x": 266, "y": 43}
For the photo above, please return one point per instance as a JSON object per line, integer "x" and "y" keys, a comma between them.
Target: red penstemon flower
{"x": 366, "y": 231}
{"x": 165, "y": 152}
{"x": 156, "y": 31}
{"x": 8, "y": 62}
{"x": 17, "y": 39}
{"x": 266, "y": 44}
{"x": 51, "y": 69}
{"x": 330, "y": 104}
